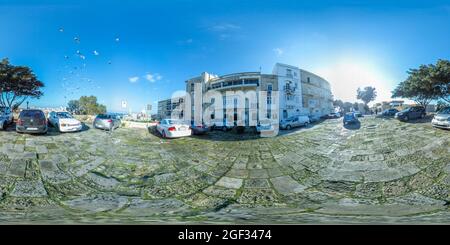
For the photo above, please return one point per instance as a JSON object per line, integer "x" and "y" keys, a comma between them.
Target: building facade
{"x": 245, "y": 97}
{"x": 171, "y": 108}
{"x": 316, "y": 94}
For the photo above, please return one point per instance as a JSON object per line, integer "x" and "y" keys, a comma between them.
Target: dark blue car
{"x": 350, "y": 118}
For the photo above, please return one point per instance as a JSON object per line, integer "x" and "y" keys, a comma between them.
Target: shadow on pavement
{"x": 353, "y": 126}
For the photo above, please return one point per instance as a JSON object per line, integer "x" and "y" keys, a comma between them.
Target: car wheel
{"x": 4, "y": 126}
{"x": 224, "y": 128}
{"x": 288, "y": 127}
{"x": 406, "y": 118}
{"x": 422, "y": 116}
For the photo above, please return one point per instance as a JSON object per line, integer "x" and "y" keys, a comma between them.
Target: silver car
{"x": 293, "y": 122}
{"x": 442, "y": 119}
{"x": 106, "y": 121}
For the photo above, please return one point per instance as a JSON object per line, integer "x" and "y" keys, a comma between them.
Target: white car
{"x": 173, "y": 128}
{"x": 64, "y": 122}
{"x": 6, "y": 117}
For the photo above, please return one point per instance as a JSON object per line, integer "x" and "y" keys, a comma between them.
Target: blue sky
{"x": 162, "y": 43}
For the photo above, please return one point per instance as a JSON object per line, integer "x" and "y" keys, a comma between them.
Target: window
{"x": 308, "y": 80}
{"x": 288, "y": 72}
{"x": 288, "y": 85}
{"x": 269, "y": 100}
{"x": 238, "y": 82}
{"x": 269, "y": 87}
{"x": 251, "y": 81}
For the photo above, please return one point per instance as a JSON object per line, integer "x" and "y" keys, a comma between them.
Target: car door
{"x": 51, "y": 118}
{"x": 295, "y": 122}
{"x": 160, "y": 126}
{"x": 414, "y": 112}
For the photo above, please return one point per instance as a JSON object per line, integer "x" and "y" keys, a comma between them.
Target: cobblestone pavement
{"x": 384, "y": 171}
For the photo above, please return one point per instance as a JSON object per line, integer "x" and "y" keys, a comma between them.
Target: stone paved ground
{"x": 384, "y": 171}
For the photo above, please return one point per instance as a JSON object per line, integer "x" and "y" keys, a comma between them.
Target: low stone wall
{"x": 88, "y": 119}
{"x": 130, "y": 124}
{"x": 85, "y": 118}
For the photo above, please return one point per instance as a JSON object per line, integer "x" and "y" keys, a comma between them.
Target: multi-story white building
{"x": 246, "y": 97}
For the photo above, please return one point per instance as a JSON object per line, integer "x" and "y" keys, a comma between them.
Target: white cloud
{"x": 153, "y": 77}
{"x": 133, "y": 79}
{"x": 278, "y": 51}
{"x": 224, "y": 27}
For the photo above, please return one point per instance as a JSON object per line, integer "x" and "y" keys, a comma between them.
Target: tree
{"x": 86, "y": 105}
{"x": 338, "y": 104}
{"x": 356, "y": 106}
{"x": 17, "y": 83}
{"x": 419, "y": 86}
{"x": 74, "y": 106}
{"x": 440, "y": 77}
{"x": 89, "y": 106}
{"x": 347, "y": 106}
{"x": 367, "y": 95}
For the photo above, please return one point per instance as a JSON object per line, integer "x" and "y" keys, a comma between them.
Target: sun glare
{"x": 347, "y": 75}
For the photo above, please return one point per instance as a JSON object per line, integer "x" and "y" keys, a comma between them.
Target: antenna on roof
{"x": 260, "y": 69}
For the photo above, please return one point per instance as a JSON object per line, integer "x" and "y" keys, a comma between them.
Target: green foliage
{"x": 367, "y": 94}
{"x": 427, "y": 83}
{"x": 17, "y": 83}
{"x": 440, "y": 76}
{"x": 441, "y": 104}
{"x": 74, "y": 106}
{"x": 86, "y": 105}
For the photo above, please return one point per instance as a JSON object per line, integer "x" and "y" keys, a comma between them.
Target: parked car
{"x": 293, "y": 122}
{"x": 6, "y": 117}
{"x": 350, "y": 118}
{"x": 172, "y": 128}
{"x": 313, "y": 118}
{"x": 389, "y": 112}
{"x": 334, "y": 115}
{"x": 265, "y": 125}
{"x": 223, "y": 125}
{"x": 442, "y": 118}
{"x": 106, "y": 121}
{"x": 64, "y": 122}
{"x": 199, "y": 128}
{"x": 357, "y": 114}
{"x": 32, "y": 121}
{"x": 411, "y": 113}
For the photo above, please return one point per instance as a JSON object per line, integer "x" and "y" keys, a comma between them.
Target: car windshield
{"x": 406, "y": 110}
{"x": 104, "y": 116}
{"x": 445, "y": 111}
{"x": 349, "y": 115}
{"x": 63, "y": 115}
{"x": 31, "y": 113}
